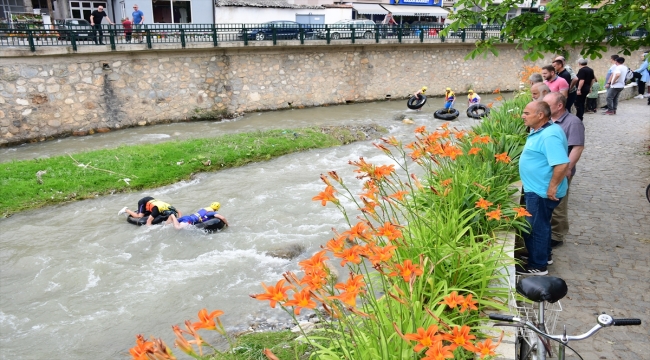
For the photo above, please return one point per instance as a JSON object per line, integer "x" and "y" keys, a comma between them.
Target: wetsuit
{"x": 449, "y": 100}
{"x": 198, "y": 217}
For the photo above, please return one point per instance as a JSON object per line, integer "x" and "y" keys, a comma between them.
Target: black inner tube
{"x": 477, "y": 111}
{"x": 414, "y": 103}
{"x": 211, "y": 225}
{"x": 446, "y": 114}
{"x": 143, "y": 220}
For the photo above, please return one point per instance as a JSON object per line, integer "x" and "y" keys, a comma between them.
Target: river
{"x": 78, "y": 282}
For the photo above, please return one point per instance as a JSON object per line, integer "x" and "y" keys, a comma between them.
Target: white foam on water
{"x": 11, "y": 321}
{"x": 93, "y": 280}
{"x": 51, "y": 286}
{"x": 155, "y": 136}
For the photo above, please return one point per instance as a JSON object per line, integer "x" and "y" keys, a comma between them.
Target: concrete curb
{"x": 629, "y": 91}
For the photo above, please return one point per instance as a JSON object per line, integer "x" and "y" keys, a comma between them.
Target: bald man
{"x": 539, "y": 90}
{"x": 543, "y": 166}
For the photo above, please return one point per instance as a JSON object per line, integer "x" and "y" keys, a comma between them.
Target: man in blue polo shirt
{"x": 138, "y": 20}
{"x": 543, "y": 166}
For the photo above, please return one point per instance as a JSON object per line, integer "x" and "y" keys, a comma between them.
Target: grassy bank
{"x": 40, "y": 182}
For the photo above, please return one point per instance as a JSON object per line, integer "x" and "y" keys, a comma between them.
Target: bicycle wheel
{"x": 647, "y": 190}
{"x": 523, "y": 350}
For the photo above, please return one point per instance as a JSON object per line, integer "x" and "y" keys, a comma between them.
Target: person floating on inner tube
{"x": 472, "y": 98}
{"x": 200, "y": 216}
{"x": 418, "y": 93}
{"x": 151, "y": 207}
{"x": 450, "y": 99}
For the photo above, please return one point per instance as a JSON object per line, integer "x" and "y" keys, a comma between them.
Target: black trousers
{"x": 592, "y": 104}
{"x": 570, "y": 100}
{"x": 580, "y": 105}
{"x": 640, "y": 84}
{"x": 98, "y": 28}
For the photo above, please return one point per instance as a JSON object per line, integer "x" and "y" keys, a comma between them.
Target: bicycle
{"x": 541, "y": 289}
{"x": 647, "y": 190}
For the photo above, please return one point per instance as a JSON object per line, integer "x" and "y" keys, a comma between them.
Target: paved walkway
{"x": 606, "y": 258}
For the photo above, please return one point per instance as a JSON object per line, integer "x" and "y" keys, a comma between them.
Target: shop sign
{"x": 417, "y": 2}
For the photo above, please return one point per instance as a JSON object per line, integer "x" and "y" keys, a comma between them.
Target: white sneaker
{"x": 646, "y": 95}
{"x": 123, "y": 211}
{"x": 639, "y": 96}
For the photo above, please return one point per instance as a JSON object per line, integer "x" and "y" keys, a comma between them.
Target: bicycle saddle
{"x": 542, "y": 288}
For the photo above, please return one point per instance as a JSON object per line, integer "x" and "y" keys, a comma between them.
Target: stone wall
{"x": 54, "y": 95}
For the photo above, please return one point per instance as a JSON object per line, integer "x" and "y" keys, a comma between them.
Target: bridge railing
{"x": 185, "y": 34}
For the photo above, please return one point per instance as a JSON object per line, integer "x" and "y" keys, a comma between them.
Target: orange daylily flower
{"x": 317, "y": 261}
{"x": 521, "y": 212}
{"x": 161, "y": 351}
{"x": 381, "y": 254}
{"x": 327, "y": 195}
{"x": 301, "y": 300}
{"x": 382, "y": 148}
{"x": 350, "y": 255}
{"x": 445, "y": 125}
{"x": 181, "y": 342}
{"x": 503, "y": 157}
{"x": 446, "y": 182}
{"x": 417, "y": 182}
{"x": 142, "y": 346}
{"x": 452, "y": 151}
{"x": 314, "y": 280}
{"x": 459, "y": 134}
{"x": 494, "y": 215}
{"x": 425, "y": 338}
{"x": 391, "y": 141}
{"x": 416, "y": 154}
{"x": 349, "y": 298}
{"x": 206, "y": 321}
{"x": 468, "y": 303}
{"x": 371, "y": 190}
{"x": 275, "y": 293}
{"x": 399, "y": 195}
{"x": 460, "y": 336}
{"x": 382, "y": 171}
{"x": 407, "y": 270}
{"x": 420, "y": 130}
{"x": 390, "y": 231}
{"x": 497, "y": 91}
{"x": 270, "y": 355}
{"x": 452, "y": 300}
{"x": 486, "y": 348}
{"x": 483, "y": 204}
{"x": 474, "y": 151}
{"x": 355, "y": 283}
{"x": 481, "y": 139}
{"x": 370, "y": 206}
{"x": 439, "y": 352}
{"x": 362, "y": 165}
{"x": 324, "y": 178}
{"x": 499, "y": 98}
{"x": 490, "y": 105}
{"x": 360, "y": 230}
{"x": 336, "y": 245}
{"x": 197, "y": 338}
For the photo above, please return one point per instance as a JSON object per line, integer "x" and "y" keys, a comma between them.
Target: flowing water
{"x": 78, "y": 282}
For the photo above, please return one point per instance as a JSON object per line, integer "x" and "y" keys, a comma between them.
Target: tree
{"x": 568, "y": 24}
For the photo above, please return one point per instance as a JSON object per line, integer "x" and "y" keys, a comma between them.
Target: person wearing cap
{"x": 148, "y": 206}
{"x": 199, "y": 216}
{"x": 472, "y": 98}
{"x": 450, "y": 99}
{"x": 421, "y": 91}
{"x": 565, "y": 72}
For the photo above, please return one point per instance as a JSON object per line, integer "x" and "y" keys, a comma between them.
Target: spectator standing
{"x": 592, "y": 98}
{"x": 642, "y": 75}
{"x": 543, "y": 166}
{"x": 535, "y": 78}
{"x": 565, "y": 72}
{"x": 586, "y": 78}
{"x": 616, "y": 85}
{"x": 554, "y": 82}
{"x": 128, "y": 29}
{"x": 608, "y": 76}
{"x": 96, "y": 18}
{"x": 539, "y": 90}
{"x": 138, "y": 20}
{"x": 388, "y": 21}
{"x": 574, "y": 130}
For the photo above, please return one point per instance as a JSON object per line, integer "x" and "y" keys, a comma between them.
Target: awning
{"x": 406, "y": 10}
{"x": 369, "y": 9}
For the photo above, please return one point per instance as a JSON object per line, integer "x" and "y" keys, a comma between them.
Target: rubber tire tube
{"x": 415, "y": 104}
{"x": 444, "y": 114}
{"x": 143, "y": 220}
{"x": 474, "y": 107}
{"x": 211, "y": 225}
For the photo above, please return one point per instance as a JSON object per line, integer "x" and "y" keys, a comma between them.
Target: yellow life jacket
{"x": 162, "y": 206}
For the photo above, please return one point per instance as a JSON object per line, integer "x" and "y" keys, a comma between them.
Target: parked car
{"x": 343, "y": 29}
{"x": 81, "y": 28}
{"x": 283, "y": 30}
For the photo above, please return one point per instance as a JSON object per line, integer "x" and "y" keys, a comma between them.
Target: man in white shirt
{"x": 616, "y": 84}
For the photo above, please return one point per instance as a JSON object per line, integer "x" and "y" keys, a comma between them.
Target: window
{"x": 172, "y": 12}
{"x": 82, "y": 10}
{"x": 10, "y": 6}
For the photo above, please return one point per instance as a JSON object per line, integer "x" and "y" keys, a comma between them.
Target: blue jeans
{"x": 448, "y": 104}
{"x": 538, "y": 241}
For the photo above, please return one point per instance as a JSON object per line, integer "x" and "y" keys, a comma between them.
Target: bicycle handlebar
{"x": 626, "y": 322}
{"x": 501, "y": 317}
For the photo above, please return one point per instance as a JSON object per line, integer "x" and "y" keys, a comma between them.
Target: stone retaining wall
{"x": 46, "y": 96}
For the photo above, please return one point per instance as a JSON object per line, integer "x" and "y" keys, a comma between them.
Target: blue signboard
{"x": 417, "y": 2}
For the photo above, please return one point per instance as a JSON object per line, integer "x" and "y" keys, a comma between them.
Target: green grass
{"x": 281, "y": 343}
{"x": 86, "y": 175}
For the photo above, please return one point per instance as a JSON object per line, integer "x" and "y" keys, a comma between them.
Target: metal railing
{"x": 184, "y": 34}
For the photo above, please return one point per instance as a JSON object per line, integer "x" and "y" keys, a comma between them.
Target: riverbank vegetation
{"x": 35, "y": 183}
{"x": 423, "y": 252}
